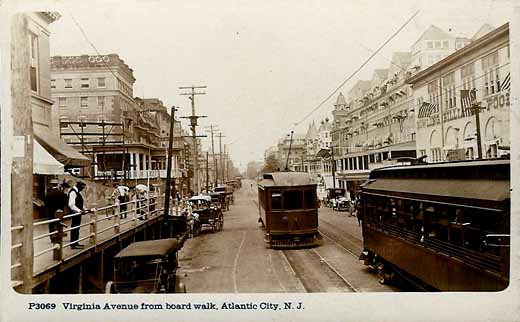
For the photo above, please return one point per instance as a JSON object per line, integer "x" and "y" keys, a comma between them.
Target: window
{"x": 491, "y": 73}
{"x": 437, "y": 44}
{"x": 101, "y": 101}
{"x": 276, "y": 200}
{"x": 293, "y": 200}
{"x": 470, "y": 155}
{"x": 445, "y": 44}
{"x": 448, "y": 83}
{"x": 83, "y": 102}
{"x": 433, "y": 92}
{"x": 34, "y": 63}
{"x": 467, "y": 73}
{"x": 68, "y": 83}
{"x": 310, "y": 199}
{"x": 85, "y": 83}
{"x": 436, "y": 154}
{"x": 101, "y": 82}
{"x": 429, "y": 44}
{"x": 53, "y": 83}
{"x": 62, "y": 101}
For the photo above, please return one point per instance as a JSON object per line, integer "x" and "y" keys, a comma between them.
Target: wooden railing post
{"x": 57, "y": 239}
{"x": 93, "y": 226}
{"x": 117, "y": 217}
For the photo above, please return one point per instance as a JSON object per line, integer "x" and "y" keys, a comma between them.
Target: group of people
{"x": 122, "y": 195}
{"x": 66, "y": 197}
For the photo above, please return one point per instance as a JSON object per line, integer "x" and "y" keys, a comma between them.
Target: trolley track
{"x": 315, "y": 273}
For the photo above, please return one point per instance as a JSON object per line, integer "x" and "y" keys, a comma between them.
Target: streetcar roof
{"x": 286, "y": 179}
{"x": 159, "y": 247}
{"x": 443, "y": 165}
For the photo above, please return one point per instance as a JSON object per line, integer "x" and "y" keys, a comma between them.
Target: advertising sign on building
{"x": 455, "y": 155}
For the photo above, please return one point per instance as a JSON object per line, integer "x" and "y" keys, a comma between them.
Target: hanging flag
{"x": 467, "y": 97}
{"x": 427, "y": 109}
{"x": 506, "y": 84}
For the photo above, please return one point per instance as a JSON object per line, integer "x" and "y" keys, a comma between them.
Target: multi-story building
{"x": 97, "y": 113}
{"x": 448, "y": 131}
{"x": 51, "y": 154}
{"x": 433, "y": 45}
{"x": 295, "y": 159}
{"x": 376, "y": 126}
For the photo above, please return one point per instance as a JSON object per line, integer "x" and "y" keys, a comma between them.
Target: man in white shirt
{"x": 77, "y": 206}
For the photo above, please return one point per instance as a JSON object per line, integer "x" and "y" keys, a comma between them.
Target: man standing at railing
{"x": 76, "y": 204}
{"x": 55, "y": 199}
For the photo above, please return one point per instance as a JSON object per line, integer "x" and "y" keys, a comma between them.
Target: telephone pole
{"x": 193, "y": 123}
{"x": 212, "y": 128}
{"x": 220, "y": 136}
{"x": 169, "y": 167}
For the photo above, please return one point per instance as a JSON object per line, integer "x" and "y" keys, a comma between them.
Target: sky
{"x": 266, "y": 64}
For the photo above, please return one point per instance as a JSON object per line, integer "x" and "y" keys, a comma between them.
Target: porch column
{"x": 95, "y": 165}
{"x": 132, "y": 165}
{"x": 137, "y": 162}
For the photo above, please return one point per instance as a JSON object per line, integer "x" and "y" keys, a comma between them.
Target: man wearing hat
{"x": 55, "y": 199}
{"x": 77, "y": 206}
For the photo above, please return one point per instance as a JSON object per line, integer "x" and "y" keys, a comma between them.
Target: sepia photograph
{"x": 269, "y": 159}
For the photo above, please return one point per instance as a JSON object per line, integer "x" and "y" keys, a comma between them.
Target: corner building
{"x": 449, "y": 132}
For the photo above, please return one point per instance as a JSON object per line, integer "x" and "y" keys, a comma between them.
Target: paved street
{"x": 236, "y": 260}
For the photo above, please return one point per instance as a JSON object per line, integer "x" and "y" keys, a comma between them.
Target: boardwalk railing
{"x": 125, "y": 216}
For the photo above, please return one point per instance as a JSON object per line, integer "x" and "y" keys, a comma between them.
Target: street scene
{"x": 246, "y": 153}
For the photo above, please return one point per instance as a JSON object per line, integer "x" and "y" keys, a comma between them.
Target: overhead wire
{"x": 359, "y": 68}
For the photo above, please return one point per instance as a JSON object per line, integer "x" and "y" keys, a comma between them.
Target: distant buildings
{"x": 414, "y": 108}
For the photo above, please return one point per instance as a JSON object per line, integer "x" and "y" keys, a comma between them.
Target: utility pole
{"x": 475, "y": 108}
{"x": 226, "y": 163}
{"x": 169, "y": 168}
{"x": 207, "y": 171}
{"x": 22, "y": 162}
{"x": 213, "y": 153}
{"x": 220, "y": 136}
{"x": 193, "y": 123}
{"x": 289, "y": 152}
{"x": 333, "y": 167}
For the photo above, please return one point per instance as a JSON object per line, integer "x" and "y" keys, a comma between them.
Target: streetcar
{"x": 288, "y": 209}
{"x": 439, "y": 227}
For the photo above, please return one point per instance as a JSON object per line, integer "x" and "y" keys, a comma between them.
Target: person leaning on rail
{"x": 55, "y": 199}
{"x": 77, "y": 206}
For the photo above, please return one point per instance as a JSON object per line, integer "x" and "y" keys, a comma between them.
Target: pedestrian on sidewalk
{"x": 55, "y": 199}
{"x": 77, "y": 206}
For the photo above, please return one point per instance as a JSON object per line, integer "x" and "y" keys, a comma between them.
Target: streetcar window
{"x": 310, "y": 199}
{"x": 293, "y": 199}
{"x": 276, "y": 200}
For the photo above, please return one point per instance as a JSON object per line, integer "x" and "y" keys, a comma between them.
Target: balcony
{"x": 139, "y": 174}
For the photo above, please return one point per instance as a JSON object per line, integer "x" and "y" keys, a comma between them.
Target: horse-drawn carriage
{"x": 227, "y": 190}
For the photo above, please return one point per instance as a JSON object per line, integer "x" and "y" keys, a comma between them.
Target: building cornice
{"x": 475, "y": 45}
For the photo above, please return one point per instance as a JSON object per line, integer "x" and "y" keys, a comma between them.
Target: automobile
{"x": 147, "y": 267}
{"x": 207, "y": 214}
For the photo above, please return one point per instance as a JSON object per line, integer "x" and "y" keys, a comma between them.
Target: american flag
{"x": 467, "y": 97}
{"x": 506, "y": 84}
{"x": 427, "y": 109}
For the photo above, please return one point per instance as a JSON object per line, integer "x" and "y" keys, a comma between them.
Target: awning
{"x": 65, "y": 154}
{"x": 44, "y": 163}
